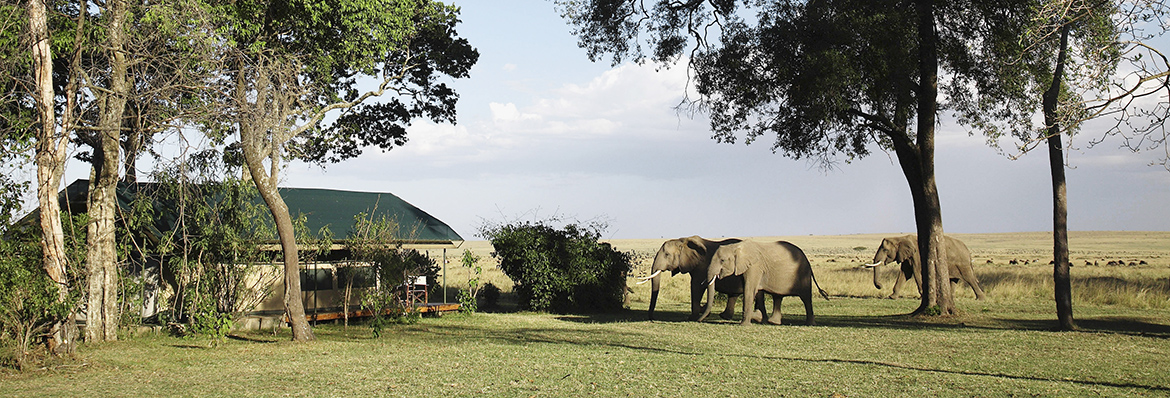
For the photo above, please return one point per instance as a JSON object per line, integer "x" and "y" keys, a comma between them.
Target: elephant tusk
{"x": 648, "y": 278}
{"x": 713, "y": 279}
{"x": 872, "y": 265}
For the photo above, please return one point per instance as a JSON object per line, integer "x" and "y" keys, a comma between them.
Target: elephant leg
{"x": 697, "y": 291}
{"x": 968, "y": 275}
{"x": 917, "y": 273}
{"x": 730, "y": 310}
{"x": 749, "y": 303}
{"x": 898, "y": 284}
{"x": 758, "y": 314}
{"x": 776, "y": 318}
{"x": 807, "y": 298}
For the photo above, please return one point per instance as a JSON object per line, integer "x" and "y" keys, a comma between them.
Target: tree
{"x": 102, "y": 261}
{"x": 151, "y": 55}
{"x": 1135, "y": 95}
{"x": 827, "y": 78}
{"x": 50, "y": 157}
{"x": 292, "y": 63}
{"x": 1064, "y": 68}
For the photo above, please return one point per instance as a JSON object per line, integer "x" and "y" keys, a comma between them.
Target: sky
{"x": 543, "y": 132}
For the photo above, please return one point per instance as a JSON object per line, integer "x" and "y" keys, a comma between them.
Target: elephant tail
{"x": 818, "y": 285}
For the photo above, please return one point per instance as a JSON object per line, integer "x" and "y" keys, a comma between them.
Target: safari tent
{"x": 321, "y": 290}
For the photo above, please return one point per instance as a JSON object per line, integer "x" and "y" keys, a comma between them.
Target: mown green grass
{"x": 862, "y": 348}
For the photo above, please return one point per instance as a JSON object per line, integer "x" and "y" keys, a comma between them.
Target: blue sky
{"x": 544, "y": 132}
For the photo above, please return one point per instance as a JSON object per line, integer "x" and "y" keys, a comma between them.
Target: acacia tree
{"x": 1065, "y": 68}
{"x": 1135, "y": 97}
{"x": 827, "y": 78}
{"x": 292, "y": 63}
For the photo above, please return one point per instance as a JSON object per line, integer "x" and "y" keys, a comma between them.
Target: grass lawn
{"x": 862, "y": 348}
{"x": 863, "y": 345}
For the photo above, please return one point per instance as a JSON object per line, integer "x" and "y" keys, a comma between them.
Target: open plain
{"x": 864, "y": 345}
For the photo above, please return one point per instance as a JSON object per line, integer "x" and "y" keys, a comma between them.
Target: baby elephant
{"x": 779, "y": 268}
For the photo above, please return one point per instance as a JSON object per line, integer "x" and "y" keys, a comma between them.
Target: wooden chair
{"x": 416, "y": 289}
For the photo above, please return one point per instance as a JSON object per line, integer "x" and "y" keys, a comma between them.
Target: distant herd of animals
{"x": 1111, "y": 263}
{"x": 737, "y": 267}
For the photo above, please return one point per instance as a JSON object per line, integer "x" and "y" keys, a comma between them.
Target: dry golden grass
{"x": 837, "y": 264}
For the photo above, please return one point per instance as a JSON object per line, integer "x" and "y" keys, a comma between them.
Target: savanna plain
{"x": 863, "y": 345}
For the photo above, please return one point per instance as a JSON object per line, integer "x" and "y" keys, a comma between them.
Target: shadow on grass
{"x": 527, "y": 336}
{"x": 1114, "y": 325}
{"x": 192, "y": 346}
{"x": 605, "y": 317}
{"x": 251, "y": 339}
{"x": 1163, "y": 389}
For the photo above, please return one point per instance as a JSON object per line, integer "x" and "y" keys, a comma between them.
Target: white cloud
{"x": 613, "y": 146}
{"x": 509, "y": 113}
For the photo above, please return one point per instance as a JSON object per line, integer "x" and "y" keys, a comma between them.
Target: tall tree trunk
{"x": 936, "y": 288}
{"x": 102, "y": 313}
{"x": 1060, "y": 269}
{"x": 50, "y": 156}
{"x": 257, "y": 141}
{"x": 293, "y": 305}
{"x": 132, "y": 147}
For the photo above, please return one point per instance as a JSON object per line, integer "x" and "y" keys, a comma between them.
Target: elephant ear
{"x": 908, "y": 249}
{"x": 745, "y": 258}
{"x": 696, "y": 244}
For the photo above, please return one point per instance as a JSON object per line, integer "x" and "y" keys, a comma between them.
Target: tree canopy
{"x": 826, "y": 78}
{"x": 292, "y": 63}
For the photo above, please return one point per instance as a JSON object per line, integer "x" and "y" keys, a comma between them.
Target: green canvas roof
{"x": 337, "y": 209}
{"x": 322, "y": 207}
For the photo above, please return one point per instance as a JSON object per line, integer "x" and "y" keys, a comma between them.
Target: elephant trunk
{"x": 876, "y": 282}
{"x": 654, "y": 284}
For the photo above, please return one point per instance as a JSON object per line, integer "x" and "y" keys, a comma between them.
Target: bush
{"x": 491, "y": 296}
{"x": 560, "y": 270}
{"x": 28, "y": 299}
{"x": 468, "y": 298}
{"x": 367, "y": 243}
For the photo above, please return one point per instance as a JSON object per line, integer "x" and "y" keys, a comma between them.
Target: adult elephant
{"x": 904, "y": 250}
{"x": 778, "y": 268}
{"x": 692, "y": 256}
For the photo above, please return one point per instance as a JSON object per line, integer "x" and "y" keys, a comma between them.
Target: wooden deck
{"x": 431, "y": 308}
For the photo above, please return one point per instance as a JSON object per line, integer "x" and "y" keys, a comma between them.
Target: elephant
{"x": 779, "y": 268}
{"x": 904, "y": 250}
{"x": 692, "y": 255}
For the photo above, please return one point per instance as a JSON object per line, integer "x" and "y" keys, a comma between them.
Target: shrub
{"x": 369, "y": 242}
{"x": 28, "y": 298}
{"x": 468, "y": 298}
{"x": 491, "y": 296}
{"x": 560, "y": 270}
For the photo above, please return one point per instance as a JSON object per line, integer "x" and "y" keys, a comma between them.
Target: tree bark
{"x": 50, "y": 159}
{"x": 257, "y": 144}
{"x": 1060, "y": 269}
{"x": 293, "y": 305}
{"x": 102, "y": 313}
{"x": 936, "y": 288}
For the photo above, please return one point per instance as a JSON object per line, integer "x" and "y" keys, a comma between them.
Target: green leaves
{"x": 560, "y": 271}
{"x": 336, "y": 47}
